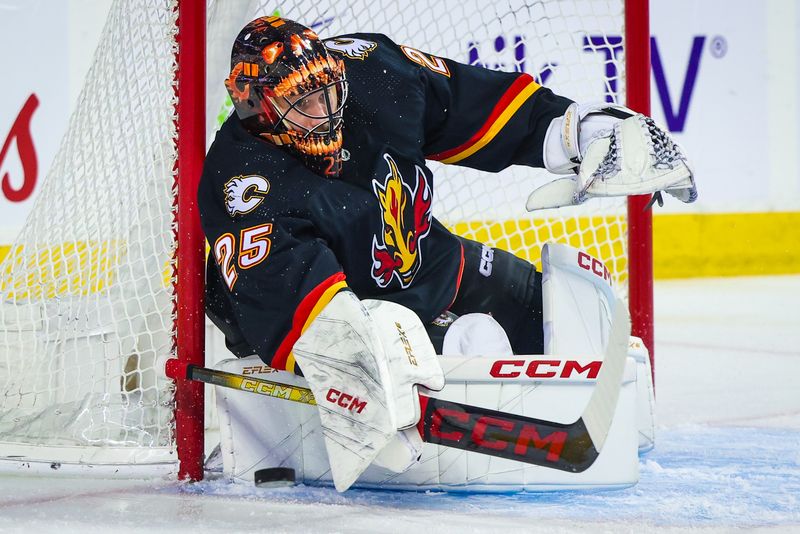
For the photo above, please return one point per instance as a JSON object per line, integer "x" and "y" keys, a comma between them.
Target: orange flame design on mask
{"x": 236, "y": 93}
{"x": 399, "y": 254}
{"x": 297, "y": 44}
{"x": 271, "y": 52}
{"x": 322, "y": 69}
{"x": 311, "y": 145}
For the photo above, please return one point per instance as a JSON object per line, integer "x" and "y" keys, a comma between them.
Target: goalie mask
{"x": 287, "y": 89}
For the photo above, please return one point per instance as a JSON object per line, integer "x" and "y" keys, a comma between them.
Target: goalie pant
{"x": 508, "y": 288}
{"x": 284, "y": 240}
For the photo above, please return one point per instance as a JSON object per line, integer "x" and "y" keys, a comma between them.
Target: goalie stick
{"x": 571, "y": 447}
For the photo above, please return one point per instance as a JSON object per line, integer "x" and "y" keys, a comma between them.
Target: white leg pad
{"x": 645, "y": 395}
{"x": 576, "y": 296}
{"x": 577, "y": 300}
{"x": 259, "y": 431}
{"x": 263, "y": 432}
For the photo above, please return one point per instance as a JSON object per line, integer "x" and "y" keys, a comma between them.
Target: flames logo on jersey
{"x": 243, "y": 194}
{"x": 406, "y": 218}
{"x": 351, "y": 47}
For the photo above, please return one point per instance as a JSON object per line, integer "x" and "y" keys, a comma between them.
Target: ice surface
{"x": 727, "y": 454}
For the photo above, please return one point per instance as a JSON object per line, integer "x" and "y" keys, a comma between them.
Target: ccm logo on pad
{"x": 543, "y": 368}
{"x": 594, "y": 266}
{"x": 354, "y": 404}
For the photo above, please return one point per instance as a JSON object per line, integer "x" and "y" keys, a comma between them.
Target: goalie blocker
{"x": 556, "y": 386}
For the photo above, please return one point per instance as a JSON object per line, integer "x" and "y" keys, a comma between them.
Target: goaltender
{"x": 315, "y": 193}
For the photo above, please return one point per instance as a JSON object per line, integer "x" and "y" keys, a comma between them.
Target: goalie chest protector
{"x": 374, "y": 223}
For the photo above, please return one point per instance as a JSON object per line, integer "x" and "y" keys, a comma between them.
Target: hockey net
{"x": 87, "y": 316}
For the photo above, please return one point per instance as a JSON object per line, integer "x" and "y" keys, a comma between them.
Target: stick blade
{"x": 603, "y": 402}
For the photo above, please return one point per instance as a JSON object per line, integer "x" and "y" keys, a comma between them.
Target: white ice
{"x": 727, "y": 454}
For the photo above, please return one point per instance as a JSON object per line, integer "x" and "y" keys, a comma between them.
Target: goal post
{"x": 640, "y": 222}
{"x": 190, "y": 268}
{"x": 105, "y": 281}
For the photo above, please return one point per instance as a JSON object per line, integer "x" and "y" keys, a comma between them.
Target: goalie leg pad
{"x": 577, "y": 300}
{"x": 261, "y": 431}
{"x": 577, "y": 297}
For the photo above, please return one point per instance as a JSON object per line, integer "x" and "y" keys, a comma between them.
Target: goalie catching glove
{"x": 613, "y": 152}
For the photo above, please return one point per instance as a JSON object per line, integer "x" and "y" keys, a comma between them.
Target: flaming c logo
{"x": 406, "y": 221}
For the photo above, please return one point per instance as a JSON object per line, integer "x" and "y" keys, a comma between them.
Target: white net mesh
{"x": 86, "y": 317}
{"x": 86, "y": 292}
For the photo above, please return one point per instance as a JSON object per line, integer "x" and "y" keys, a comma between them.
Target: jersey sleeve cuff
{"x": 304, "y": 315}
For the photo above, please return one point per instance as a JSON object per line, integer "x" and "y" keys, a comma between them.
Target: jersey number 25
{"x": 254, "y": 247}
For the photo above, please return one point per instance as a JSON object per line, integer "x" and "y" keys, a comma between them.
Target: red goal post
{"x": 640, "y": 222}
{"x": 190, "y": 267}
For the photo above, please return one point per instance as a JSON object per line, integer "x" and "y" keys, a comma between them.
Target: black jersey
{"x": 284, "y": 240}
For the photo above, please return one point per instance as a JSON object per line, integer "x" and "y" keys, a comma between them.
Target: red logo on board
{"x": 21, "y": 133}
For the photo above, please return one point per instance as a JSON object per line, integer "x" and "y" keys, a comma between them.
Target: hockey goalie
{"x": 329, "y": 271}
